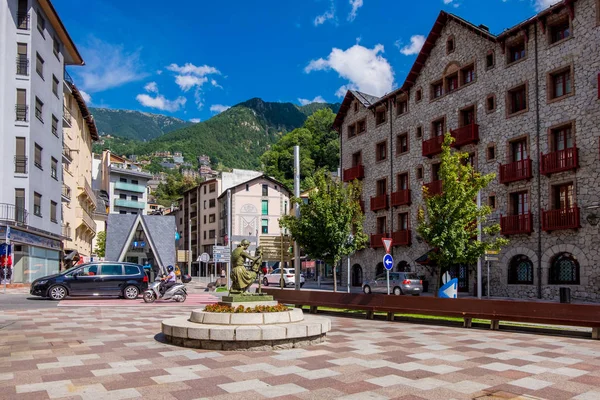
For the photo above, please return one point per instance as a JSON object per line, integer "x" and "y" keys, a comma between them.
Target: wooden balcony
{"x": 356, "y": 172}
{"x": 554, "y": 220}
{"x": 400, "y": 198}
{"x": 516, "y": 224}
{"x": 515, "y": 171}
{"x": 402, "y": 238}
{"x": 433, "y": 188}
{"x": 465, "y": 135}
{"x": 379, "y": 202}
{"x": 432, "y": 146}
{"x": 376, "y": 240}
{"x": 558, "y": 161}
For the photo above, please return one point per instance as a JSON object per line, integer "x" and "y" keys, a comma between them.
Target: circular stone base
{"x": 258, "y": 345}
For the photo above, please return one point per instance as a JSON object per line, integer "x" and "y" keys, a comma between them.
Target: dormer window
{"x": 361, "y": 126}
{"x": 450, "y": 45}
{"x": 560, "y": 31}
{"x": 516, "y": 51}
{"x": 380, "y": 117}
{"x": 402, "y": 107}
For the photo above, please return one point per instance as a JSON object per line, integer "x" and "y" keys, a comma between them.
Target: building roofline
{"x": 85, "y": 112}
{"x": 541, "y": 16}
{"x": 62, "y": 33}
{"x": 256, "y": 178}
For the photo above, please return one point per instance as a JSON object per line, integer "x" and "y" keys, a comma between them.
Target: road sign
{"x": 388, "y": 262}
{"x": 491, "y": 258}
{"x": 387, "y": 243}
{"x": 492, "y": 252}
{"x": 449, "y": 290}
{"x": 204, "y": 257}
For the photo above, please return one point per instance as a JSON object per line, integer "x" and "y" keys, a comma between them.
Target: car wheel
{"x": 367, "y": 289}
{"x": 57, "y": 292}
{"x": 397, "y": 291}
{"x": 149, "y": 297}
{"x": 265, "y": 282}
{"x": 131, "y": 292}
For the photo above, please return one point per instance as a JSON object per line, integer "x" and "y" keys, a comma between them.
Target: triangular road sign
{"x": 387, "y": 243}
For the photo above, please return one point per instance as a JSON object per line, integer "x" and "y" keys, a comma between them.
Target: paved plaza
{"x": 113, "y": 353}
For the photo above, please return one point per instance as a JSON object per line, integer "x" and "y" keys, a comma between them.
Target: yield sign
{"x": 387, "y": 243}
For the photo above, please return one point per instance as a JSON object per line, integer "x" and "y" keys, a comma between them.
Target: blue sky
{"x": 192, "y": 59}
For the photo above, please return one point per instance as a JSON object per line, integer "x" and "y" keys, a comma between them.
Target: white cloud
{"x": 327, "y": 15}
{"x": 317, "y": 99}
{"x": 195, "y": 120}
{"x": 186, "y": 82}
{"x": 365, "y": 68}
{"x": 160, "y": 102}
{"x": 108, "y": 66}
{"x": 159, "y": 72}
{"x": 191, "y": 69}
{"x": 540, "y": 5}
{"x": 86, "y": 97}
{"x": 215, "y": 84}
{"x": 218, "y": 108}
{"x": 151, "y": 87}
{"x": 416, "y": 42}
{"x": 356, "y": 4}
{"x": 191, "y": 76}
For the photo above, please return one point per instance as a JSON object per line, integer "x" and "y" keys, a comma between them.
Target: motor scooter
{"x": 176, "y": 292}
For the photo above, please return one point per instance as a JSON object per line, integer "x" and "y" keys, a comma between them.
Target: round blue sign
{"x": 388, "y": 262}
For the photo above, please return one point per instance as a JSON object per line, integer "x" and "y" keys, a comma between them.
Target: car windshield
{"x": 70, "y": 270}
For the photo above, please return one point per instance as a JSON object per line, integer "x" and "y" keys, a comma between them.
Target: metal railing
{"x": 21, "y": 111}
{"x": 67, "y": 77}
{"x": 23, "y": 20}
{"x": 515, "y": 171}
{"x": 22, "y": 65}
{"x": 400, "y": 198}
{"x": 356, "y": 172}
{"x": 86, "y": 219}
{"x": 566, "y": 218}
{"x": 67, "y": 115}
{"x": 465, "y": 135}
{"x": 20, "y": 164}
{"x": 66, "y": 232}
{"x": 66, "y": 192}
{"x": 558, "y": 161}
{"x": 379, "y": 202}
{"x": 13, "y": 214}
{"x": 67, "y": 152}
{"x": 516, "y": 224}
{"x": 401, "y": 238}
{"x": 432, "y": 146}
{"x": 84, "y": 185}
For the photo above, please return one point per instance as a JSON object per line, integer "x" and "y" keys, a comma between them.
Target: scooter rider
{"x": 168, "y": 280}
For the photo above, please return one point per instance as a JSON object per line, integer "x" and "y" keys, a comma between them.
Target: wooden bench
{"x": 539, "y": 312}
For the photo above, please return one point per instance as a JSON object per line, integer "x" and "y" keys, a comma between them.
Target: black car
{"x": 94, "y": 279}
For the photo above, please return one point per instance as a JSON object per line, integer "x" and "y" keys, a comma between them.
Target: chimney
{"x": 484, "y": 28}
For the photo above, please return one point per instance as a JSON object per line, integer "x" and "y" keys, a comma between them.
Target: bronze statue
{"x": 241, "y": 278}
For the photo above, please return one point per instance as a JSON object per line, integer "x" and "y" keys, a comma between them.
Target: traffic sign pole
{"x": 388, "y": 263}
{"x": 388, "y": 281}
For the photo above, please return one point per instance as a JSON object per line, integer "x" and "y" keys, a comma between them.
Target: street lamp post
{"x": 350, "y": 240}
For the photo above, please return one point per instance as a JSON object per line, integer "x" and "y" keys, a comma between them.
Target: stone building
{"x": 525, "y": 105}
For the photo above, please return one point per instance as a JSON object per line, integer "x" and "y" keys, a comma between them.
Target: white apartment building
{"x": 34, "y": 50}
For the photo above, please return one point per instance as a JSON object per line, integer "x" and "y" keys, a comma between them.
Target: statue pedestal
{"x": 248, "y": 300}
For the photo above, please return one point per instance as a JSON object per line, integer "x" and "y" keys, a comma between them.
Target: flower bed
{"x": 217, "y": 308}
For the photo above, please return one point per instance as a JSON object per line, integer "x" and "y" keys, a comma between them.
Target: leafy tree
{"x": 448, "y": 222}
{"x": 100, "y": 249}
{"x": 326, "y": 221}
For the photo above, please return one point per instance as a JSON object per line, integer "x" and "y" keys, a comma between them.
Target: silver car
{"x": 400, "y": 283}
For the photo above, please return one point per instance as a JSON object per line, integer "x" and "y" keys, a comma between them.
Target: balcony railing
{"x": 130, "y": 204}
{"x": 66, "y": 192}
{"x": 193, "y": 214}
{"x": 20, "y": 164}
{"x": 379, "y": 202}
{"x": 86, "y": 189}
{"x": 554, "y": 220}
{"x": 465, "y": 135}
{"x": 130, "y": 187}
{"x": 400, "y": 198}
{"x": 86, "y": 220}
{"x": 22, "y": 65}
{"x": 21, "y": 111}
{"x": 67, "y": 77}
{"x": 516, "y": 224}
{"x": 433, "y": 188}
{"x": 66, "y": 232}
{"x": 66, "y": 117}
{"x": 402, "y": 238}
{"x": 558, "y": 161}
{"x": 356, "y": 172}
{"x": 515, "y": 171}
{"x": 23, "y": 21}
{"x": 67, "y": 153}
{"x": 376, "y": 240}
{"x": 12, "y": 214}
{"x": 432, "y": 146}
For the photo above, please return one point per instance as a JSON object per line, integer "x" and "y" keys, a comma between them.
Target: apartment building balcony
{"x": 22, "y": 65}
{"x": 65, "y": 231}
{"x": 20, "y": 165}
{"x": 23, "y": 21}
{"x": 559, "y": 161}
{"x": 130, "y": 187}
{"x": 376, "y": 240}
{"x": 555, "y": 220}
{"x": 516, "y": 224}
{"x": 67, "y": 78}
{"x": 515, "y": 171}
{"x": 11, "y": 214}
{"x": 400, "y": 198}
{"x": 379, "y": 202}
{"x": 66, "y": 154}
{"x": 433, "y": 188}
{"x": 194, "y": 228}
{"x": 465, "y": 135}
{"x": 86, "y": 189}
{"x": 140, "y": 205}
{"x": 21, "y": 112}
{"x": 86, "y": 220}
{"x": 66, "y": 193}
{"x": 193, "y": 214}
{"x": 402, "y": 238}
{"x": 67, "y": 117}
{"x": 356, "y": 172}
{"x": 432, "y": 146}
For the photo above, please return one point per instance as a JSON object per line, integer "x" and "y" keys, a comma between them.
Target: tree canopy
{"x": 100, "y": 244}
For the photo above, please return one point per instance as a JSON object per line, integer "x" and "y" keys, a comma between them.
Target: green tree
{"x": 327, "y": 220}
{"x": 100, "y": 249}
{"x": 448, "y": 222}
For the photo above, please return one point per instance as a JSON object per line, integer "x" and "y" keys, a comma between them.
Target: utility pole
{"x": 297, "y": 263}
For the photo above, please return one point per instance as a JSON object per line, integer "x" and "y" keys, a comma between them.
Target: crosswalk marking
{"x": 192, "y": 300}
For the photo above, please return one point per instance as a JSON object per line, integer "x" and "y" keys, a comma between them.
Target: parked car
{"x": 289, "y": 277}
{"x": 93, "y": 279}
{"x": 400, "y": 283}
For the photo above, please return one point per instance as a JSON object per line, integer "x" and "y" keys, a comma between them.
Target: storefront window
{"x": 41, "y": 263}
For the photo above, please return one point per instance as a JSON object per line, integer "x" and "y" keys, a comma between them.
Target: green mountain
{"x": 236, "y": 137}
{"x": 135, "y": 125}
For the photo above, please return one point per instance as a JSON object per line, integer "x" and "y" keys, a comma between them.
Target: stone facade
{"x": 494, "y": 77}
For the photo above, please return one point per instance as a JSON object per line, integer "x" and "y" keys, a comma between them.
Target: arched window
{"x": 564, "y": 270}
{"x": 403, "y": 267}
{"x": 379, "y": 270}
{"x": 520, "y": 270}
